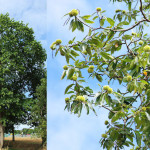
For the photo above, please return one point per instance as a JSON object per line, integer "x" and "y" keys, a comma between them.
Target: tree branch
{"x": 108, "y": 109}
{"x": 129, "y": 50}
{"x": 143, "y": 12}
{"x": 120, "y": 30}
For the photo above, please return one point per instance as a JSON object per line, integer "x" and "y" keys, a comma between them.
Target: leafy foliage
{"x": 21, "y": 68}
{"x": 116, "y": 53}
{"x": 39, "y": 111}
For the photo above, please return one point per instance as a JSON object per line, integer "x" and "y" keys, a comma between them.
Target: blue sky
{"x": 65, "y": 131}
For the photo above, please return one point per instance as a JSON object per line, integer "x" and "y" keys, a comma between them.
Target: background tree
{"x": 39, "y": 111}
{"x": 21, "y": 68}
{"x": 114, "y": 52}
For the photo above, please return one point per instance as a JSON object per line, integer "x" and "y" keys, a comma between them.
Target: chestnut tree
{"x": 118, "y": 50}
{"x": 22, "y": 60}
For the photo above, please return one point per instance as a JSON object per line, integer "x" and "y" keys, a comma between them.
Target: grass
{"x": 23, "y": 143}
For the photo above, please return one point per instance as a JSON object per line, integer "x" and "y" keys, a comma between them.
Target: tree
{"x": 39, "y": 111}
{"x": 21, "y": 111}
{"x": 21, "y": 68}
{"x": 114, "y": 52}
{"x": 27, "y": 131}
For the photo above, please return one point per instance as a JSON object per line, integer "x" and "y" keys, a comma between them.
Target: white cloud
{"x": 28, "y": 11}
{"x": 14, "y": 6}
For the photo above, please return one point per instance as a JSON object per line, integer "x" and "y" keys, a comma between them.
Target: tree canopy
{"x": 22, "y": 61}
{"x": 116, "y": 51}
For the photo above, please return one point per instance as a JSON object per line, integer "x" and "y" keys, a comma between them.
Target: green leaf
{"x": 73, "y": 25}
{"x": 80, "y": 109}
{"x": 67, "y": 58}
{"x": 86, "y": 16}
{"x": 99, "y": 78}
{"x": 87, "y": 108}
{"x": 114, "y": 134}
{"x": 66, "y": 14}
{"x": 116, "y": 116}
{"x": 97, "y": 42}
{"x": 138, "y": 138}
{"x": 129, "y": 6}
{"x": 129, "y": 19}
{"x": 126, "y": 37}
{"x": 108, "y": 99}
{"x": 70, "y": 73}
{"x": 88, "y": 51}
{"x": 145, "y": 82}
{"x": 91, "y": 107}
{"x": 88, "y": 21}
{"x": 62, "y": 51}
{"x": 67, "y": 107}
{"x": 74, "y": 53}
{"x": 130, "y": 143}
{"x": 94, "y": 111}
{"x": 56, "y": 52}
{"x": 123, "y": 23}
{"x": 95, "y": 17}
{"x": 80, "y": 26}
{"x": 70, "y": 92}
{"x": 106, "y": 55}
{"x": 90, "y": 31}
{"x": 68, "y": 87}
{"x": 102, "y": 22}
{"x": 102, "y": 99}
{"x": 110, "y": 115}
{"x": 111, "y": 21}
{"x": 130, "y": 137}
{"x": 111, "y": 35}
{"x": 63, "y": 75}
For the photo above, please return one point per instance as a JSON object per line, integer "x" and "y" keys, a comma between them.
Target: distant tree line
{"x": 24, "y": 131}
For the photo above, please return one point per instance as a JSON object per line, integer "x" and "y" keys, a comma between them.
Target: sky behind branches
{"x": 65, "y": 131}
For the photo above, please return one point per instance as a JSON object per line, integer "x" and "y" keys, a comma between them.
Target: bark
{"x": 43, "y": 140}
{"x": 1, "y": 135}
{"x": 13, "y": 134}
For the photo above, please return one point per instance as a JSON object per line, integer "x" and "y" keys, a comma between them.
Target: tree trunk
{"x": 1, "y": 135}
{"x": 13, "y": 134}
{"x": 43, "y": 140}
